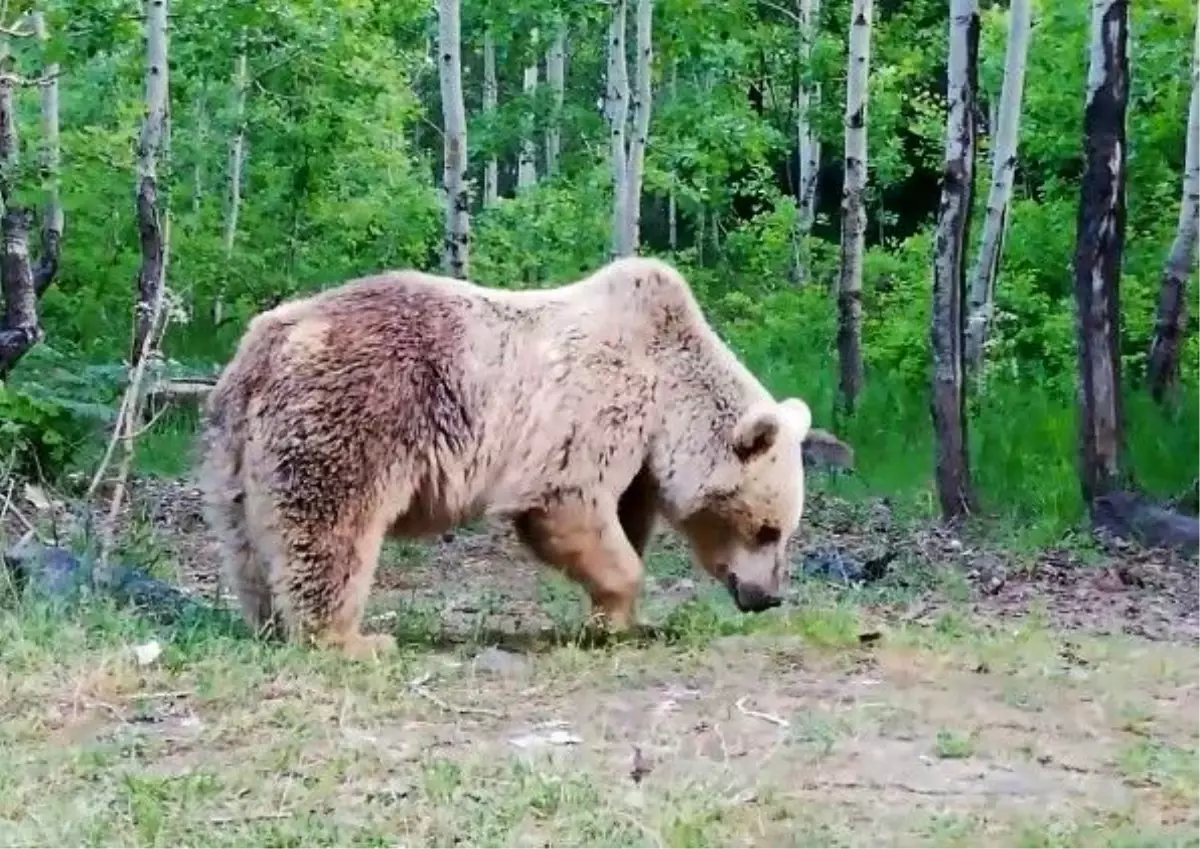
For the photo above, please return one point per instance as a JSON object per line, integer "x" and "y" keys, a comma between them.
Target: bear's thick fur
{"x": 406, "y": 403}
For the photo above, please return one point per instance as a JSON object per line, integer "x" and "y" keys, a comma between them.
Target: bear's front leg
{"x": 586, "y": 541}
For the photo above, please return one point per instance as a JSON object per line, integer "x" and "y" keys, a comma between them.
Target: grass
{"x": 775, "y": 730}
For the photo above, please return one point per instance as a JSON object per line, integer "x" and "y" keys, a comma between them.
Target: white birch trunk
{"x": 454, "y": 171}
{"x": 52, "y": 219}
{"x": 491, "y": 171}
{"x": 527, "y": 163}
{"x": 153, "y": 135}
{"x": 237, "y": 155}
{"x": 854, "y": 213}
{"x": 616, "y": 107}
{"x": 952, "y": 469}
{"x": 641, "y": 124}
{"x": 808, "y": 146}
{"x": 1004, "y": 131}
{"x": 556, "y": 60}
{"x": 672, "y": 207}
{"x": 1163, "y": 366}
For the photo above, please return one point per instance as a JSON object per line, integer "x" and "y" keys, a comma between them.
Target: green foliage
{"x": 342, "y": 177}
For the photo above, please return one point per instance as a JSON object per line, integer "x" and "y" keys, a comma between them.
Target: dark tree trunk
{"x": 150, "y": 277}
{"x": 1100, "y": 235}
{"x": 21, "y": 329}
{"x": 947, "y": 331}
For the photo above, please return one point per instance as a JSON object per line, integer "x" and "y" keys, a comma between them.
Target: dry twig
{"x": 417, "y": 685}
{"x": 768, "y": 717}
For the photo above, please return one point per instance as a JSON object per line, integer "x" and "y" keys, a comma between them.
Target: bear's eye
{"x": 767, "y": 535}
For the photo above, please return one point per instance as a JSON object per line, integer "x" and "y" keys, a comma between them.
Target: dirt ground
{"x": 970, "y": 697}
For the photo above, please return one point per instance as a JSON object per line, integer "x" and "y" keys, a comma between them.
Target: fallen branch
{"x": 1129, "y": 515}
{"x": 768, "y": 717}
{"x": 417, "y": 685}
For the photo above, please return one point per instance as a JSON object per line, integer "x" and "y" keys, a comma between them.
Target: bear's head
{"x": 752, "y": 504}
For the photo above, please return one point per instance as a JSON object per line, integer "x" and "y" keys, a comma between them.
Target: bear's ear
{"x": 756, "y": 431}
{"x": 799, "y": 414}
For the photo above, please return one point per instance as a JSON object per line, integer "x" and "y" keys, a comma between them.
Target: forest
{"x": 965, "y": 232}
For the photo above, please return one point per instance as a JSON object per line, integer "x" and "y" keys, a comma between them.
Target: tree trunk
{"x": 150, "y": 278}
{"x": 672, "y": 205}
{"x": 52, "y": 216}
{"x": 1100, "y": 236}
{"x": 556, "y": 60}
{"x": 455, "y": 147}
{"x": 236, "y": 158}
{"x": 491, "y": 171}
{"x": 641, "y": 124}
{"x": 808, "y": 145}
{"x": 854, "y": 213}
{"x": 201, "y": 119}
{"x": 1163, "y": 366}
{"x": 1004, "y": 165}
{"x": 21, "y": 329}
{"x": 952, "y": 467}
{"x": 527, "y": 163}
{"x": 616, "y": 108}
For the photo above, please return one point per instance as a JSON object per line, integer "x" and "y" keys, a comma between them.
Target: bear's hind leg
{"x": 322, "y": 582}
{"x": 590, "y": 546}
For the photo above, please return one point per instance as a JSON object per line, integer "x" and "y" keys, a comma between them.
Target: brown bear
{"x": 406, "y": 403}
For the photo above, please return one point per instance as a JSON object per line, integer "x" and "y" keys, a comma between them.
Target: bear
{"x": 405, "y": 403}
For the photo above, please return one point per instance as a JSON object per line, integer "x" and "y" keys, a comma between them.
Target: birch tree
{"x": 641, "y": 125}
{"x": 150, "y": 211}
{"x": 952, "y": 469}
{"x": 556, "y": 58}
{"x": 1163, "y": 366}
{"x": 854, "y": 213}
{"x": 236, "y": 162}
{"x": 491, "y": 170}
{"x": 22, "y": 284}
{"x": 454, "y": 165}
{"x": 616, "y": 109}
{"x": 527, "y": 161}
{"x": 1004, "y": 165}
{"x": 52, "y": 217}
{"x": 672, "y": 203}
{"x": 808, "y": 95}
{"x": 1100, "y": 237}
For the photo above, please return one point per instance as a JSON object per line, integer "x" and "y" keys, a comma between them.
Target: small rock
{"x": 499, "y": 661}
{"x": 557, "y": 737}
{"x": 147, "y": 653}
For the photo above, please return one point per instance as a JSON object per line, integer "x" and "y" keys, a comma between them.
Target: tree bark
{"x": 1004, "y": 164}
{"x": 556, "y": 59}
{"x": 52, "y": 216}
{"x": 1163, "y": 366}
{"x": 641, "y": 124}
{"x": 616, "y": 108}
{"x": 808, "y": 145}
{"x": 150, "y": 277}
{"x": 952, "y": 467}
{"x": 237, "y": 150}
{"x": 672, "y": 205}
{"x": 854, "y": 213}
{"x": 1100, "y": 236}
{"x": 21, "y": 329}
{"x": 491, "y": 170}
{"x": 527, "y": 162}
{"x": 455, "y": 147}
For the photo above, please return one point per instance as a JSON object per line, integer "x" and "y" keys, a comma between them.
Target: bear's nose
{"x": 750, "y": 598}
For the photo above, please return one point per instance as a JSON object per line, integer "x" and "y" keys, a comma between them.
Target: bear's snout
{"x": 750, "y": 598}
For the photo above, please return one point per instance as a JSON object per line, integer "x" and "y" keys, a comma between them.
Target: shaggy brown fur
{"x": 406, "y": 403}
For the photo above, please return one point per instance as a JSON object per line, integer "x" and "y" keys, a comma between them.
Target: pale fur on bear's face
{"x": 751, "y": 509}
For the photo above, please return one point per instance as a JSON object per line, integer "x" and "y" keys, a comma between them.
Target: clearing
{"x": 970, "y": 696}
